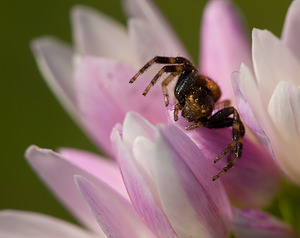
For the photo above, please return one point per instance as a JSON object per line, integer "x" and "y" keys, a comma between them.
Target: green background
{"x": 29, "y": 112}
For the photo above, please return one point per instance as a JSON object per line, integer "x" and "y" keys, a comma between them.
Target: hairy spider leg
{"x": 178, "y": 68}
{"x": 164, "y": 85}
{"x": 160, "y": 60}
{"x": 226, "y": 168}
{"x": 194, "y": 126}
{"x": 221, "y": 119}
{"x": 222, "y": 104}
{"x": 177, "y": 107}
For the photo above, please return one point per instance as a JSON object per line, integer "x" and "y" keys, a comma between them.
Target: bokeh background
{"x": 29, "y": 112}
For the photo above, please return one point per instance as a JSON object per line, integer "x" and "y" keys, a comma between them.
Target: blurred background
{"x": 31, "y": 114}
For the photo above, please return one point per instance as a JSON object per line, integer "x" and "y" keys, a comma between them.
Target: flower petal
{"x": 284, "y": 110}
{"x": 102, "y": 168}
{"x": 146, "y": 43}
{"x": 135, "y": 125}
{"x": 115, "y": 215}
{"x": 54, "y": 59}
{"x": 252, "y": 180}
{"x": 139, "y": 188}
{"x": 57, "y": 172}
{"x": 30, "y": 225}
{"x": 273, "y": 62}
{"x": 96, "y": 34}
{"x": 246, "y": 94}
{"x": 104, "y": 96}
{"x": 254, "y": 223}
{"x": 194, "y": 205}
{"x": 291, "y": 30}
{"x": 156, "y": 23}
{"x": 224, "y": 44}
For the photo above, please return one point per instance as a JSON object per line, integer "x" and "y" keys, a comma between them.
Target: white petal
{"x": 54, "y": 59}
{"x": 135, "y": 125}
{"x": 284, "y": 110}
{"x": 17, "y": 224}
{"x": 273, "y": 62}
{"x": 249, "y": 89}
{"x": 144, "y": 152}
{"x": 291, "y": 29}
{"x": 96, "y": 34}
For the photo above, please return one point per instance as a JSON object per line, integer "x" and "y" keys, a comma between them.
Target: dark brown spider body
{"x": 197, "y": 96}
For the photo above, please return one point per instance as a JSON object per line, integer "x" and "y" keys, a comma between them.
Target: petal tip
{"x": 30, "y": 151}
{"x": 217, "y": 7}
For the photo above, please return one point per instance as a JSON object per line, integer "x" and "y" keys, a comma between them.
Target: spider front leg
{"x": 160, "y": 60}
{"x": 221, "y": 119}
{"x": 164, "y": 85}
{"x": 177, "y": 107}
{"x": 166, "y": 69}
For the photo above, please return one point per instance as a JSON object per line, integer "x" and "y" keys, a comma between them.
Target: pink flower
{"x": 92, "y": 82}
{"x": 160, "y": 182}
{"x": 161, "y": 190}
{"x": 270, "y": 95}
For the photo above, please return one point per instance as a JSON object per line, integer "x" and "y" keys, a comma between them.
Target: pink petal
{"x": 224, "y": 44}
{"x": 140, "y": 191}
{"x": 96, "y": 34}
{"x": 254, "y": 223}
{"x": 57, "y": 172}
{"x": 253, "y": 181}
{"x": 194, "y": 205}
{"x": 102, "y": 168}
{"x": 291, "y": 30}
{"x": 114, "y": 214}
{"x": 54, "y": 59}
{"x": 104, "y": 95}
{"x": 146, "y": 43}
{"x": 155, "y": 23}
{"x": 273, "y": 62}
{"x": 30, "y": 225}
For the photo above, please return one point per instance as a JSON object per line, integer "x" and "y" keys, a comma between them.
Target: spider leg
{"x": 177, "y": 68}
{"x": 226, "y": 168}
{"x": 177, "y": 107}
{"x": 160, "y": 60}
{"x": 222, "y": 104}
{"x": 164, "y": 85}
{"x": 221, "y": 119}
{"x": 194, "y": 126}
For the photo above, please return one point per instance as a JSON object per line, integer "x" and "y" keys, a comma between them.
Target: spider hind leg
{"x": 221, "y": 119}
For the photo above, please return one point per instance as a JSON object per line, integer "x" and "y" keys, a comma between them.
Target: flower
{"x": 92, "y": 82}
{"x": 161, "y": 190}
{"x": 160, "y": 182}
{"x": 270, "y": 95}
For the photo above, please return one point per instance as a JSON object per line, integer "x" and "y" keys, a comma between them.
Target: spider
{"x": 197, "y": 96}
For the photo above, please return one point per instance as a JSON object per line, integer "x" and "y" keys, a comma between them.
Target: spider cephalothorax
{"x": 197, "y": 96}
